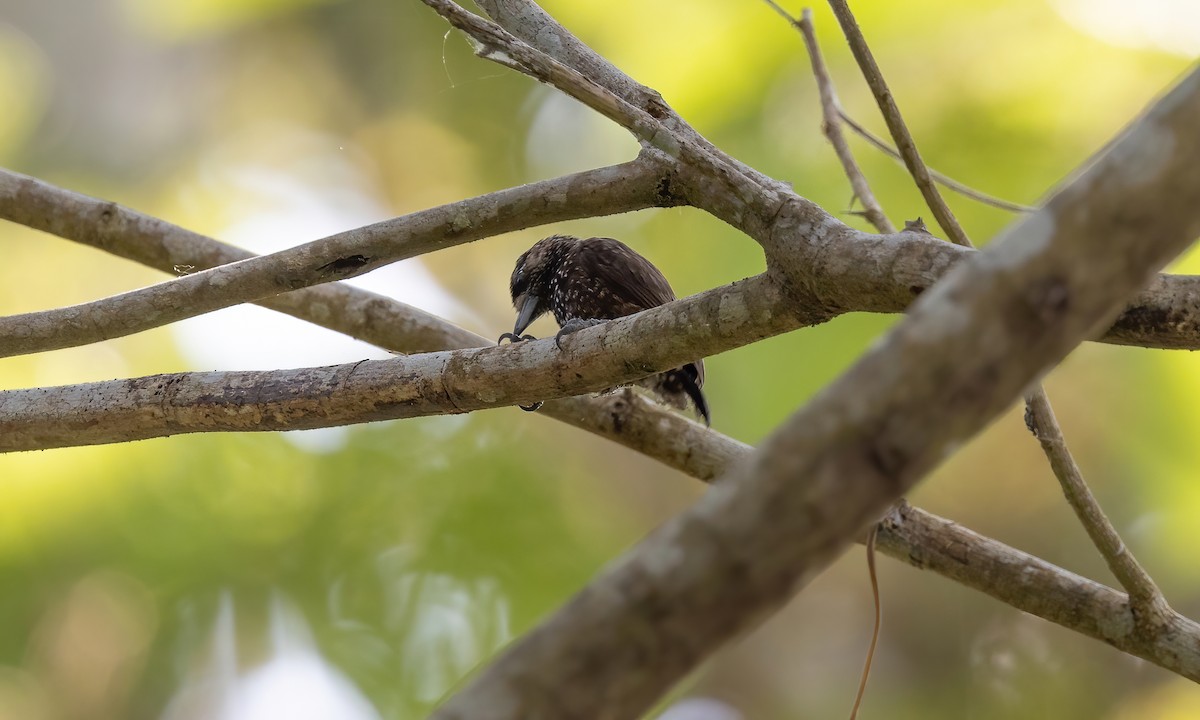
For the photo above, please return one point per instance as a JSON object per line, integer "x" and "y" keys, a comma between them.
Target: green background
{"x": 413, "y": 550}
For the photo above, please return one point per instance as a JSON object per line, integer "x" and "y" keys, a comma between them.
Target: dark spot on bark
{"x": 657, "y": 108}
{"x": 1163, "y": 326}
{"x": 916, "y": 290}
{"x": 619, "y": 410}
{"x": 663, "y": 196}
{"x": 888, "y": 460}
{"x": 1050, "y": 298}
{"x": 344, "y": 264}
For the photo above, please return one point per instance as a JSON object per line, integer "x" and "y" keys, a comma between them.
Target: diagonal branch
{"x": 941, "y": 178}
{"x": 831, "y": 123}
{"x": 1148, "y": 605}
{"x": 895, "y": 123}
{"x": 931, "y": 543}
{"x": 621, "y": 188}
{"x": 1150, "y": 609}
{"x": 529, "y": 22}
{"x": 1037, "y": 587}
{"x": 750, "y": 192}
{"x": 1146, "y": 601}
{"x": 964, "y": 352}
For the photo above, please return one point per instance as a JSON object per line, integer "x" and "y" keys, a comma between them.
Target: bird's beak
{"x": 529, "y": 310}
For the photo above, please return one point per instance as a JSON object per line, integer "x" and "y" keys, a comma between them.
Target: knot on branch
{"x": 344, "y": 265}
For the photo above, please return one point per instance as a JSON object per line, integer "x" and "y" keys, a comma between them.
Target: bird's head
{"x": 531, "y": 278}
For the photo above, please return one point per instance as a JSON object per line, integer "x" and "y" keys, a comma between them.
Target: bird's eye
{"x": 519, "y": 282}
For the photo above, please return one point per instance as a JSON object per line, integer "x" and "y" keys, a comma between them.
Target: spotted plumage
{"x": 582, "y": 282}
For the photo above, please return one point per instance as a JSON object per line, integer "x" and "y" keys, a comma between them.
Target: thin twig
{"x": 895, "y": 122}
{"x": 528, "y": 21}
{"x": 874, "y": 213}
{"x": 1145, "y": 599}
{"x": 872, "y": 535}
{"x": 831, "y": 125}
{"x": 940, "y": 178}
{"x": 502, "y": 47}
{"x": 754, "y": 193}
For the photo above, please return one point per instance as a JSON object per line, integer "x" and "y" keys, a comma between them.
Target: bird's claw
{"x": 573, "y": 326}
{"x": 512, "y": 338}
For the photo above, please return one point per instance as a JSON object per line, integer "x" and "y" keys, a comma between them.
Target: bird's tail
{"x": 688, "y": 379}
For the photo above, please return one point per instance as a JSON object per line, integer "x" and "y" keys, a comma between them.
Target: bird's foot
{"x": 574, "y": 326}
{"x": 512, "y": 338}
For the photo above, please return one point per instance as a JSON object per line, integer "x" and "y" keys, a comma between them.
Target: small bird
{"x": 585, "y": 282}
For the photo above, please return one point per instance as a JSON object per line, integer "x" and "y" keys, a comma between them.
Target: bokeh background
{"x": 364, "y": 572}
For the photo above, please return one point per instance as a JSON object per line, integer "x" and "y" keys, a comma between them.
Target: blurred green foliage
{"x": 413, "y": 550}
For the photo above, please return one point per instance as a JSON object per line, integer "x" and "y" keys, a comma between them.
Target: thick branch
{"x": 639, "y": 424}
{"x": 932, "y": 543}
{"x": 854, "y": 271}
{"x": 753, "y": 194}
{"x": 411, "y": 386}
{"x": 631, "y": 186}
{"x": 964, "y": 352}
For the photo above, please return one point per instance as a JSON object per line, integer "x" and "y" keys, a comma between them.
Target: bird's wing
{"x": 634, "y": 283}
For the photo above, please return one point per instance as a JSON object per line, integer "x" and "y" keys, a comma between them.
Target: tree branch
{"x": 1145, "y": 599}
{"x": 1149, "y": 607}
{"x": 527, "y": 21}
{"x": 895, "y": 123}
{"x": 606, "y": 191}
{"x": 940, "y": 178}
{"x": 614, "y": 353}
{"x": 1033, "y": 585}
{"x": 752, "y": 194}
{"x": 964, "y": 352}
{"x": 831, "y": 123}
{"x": 929, "y": 542}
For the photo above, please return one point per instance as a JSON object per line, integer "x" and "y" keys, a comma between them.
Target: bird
{"x": 583, "y": 282}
